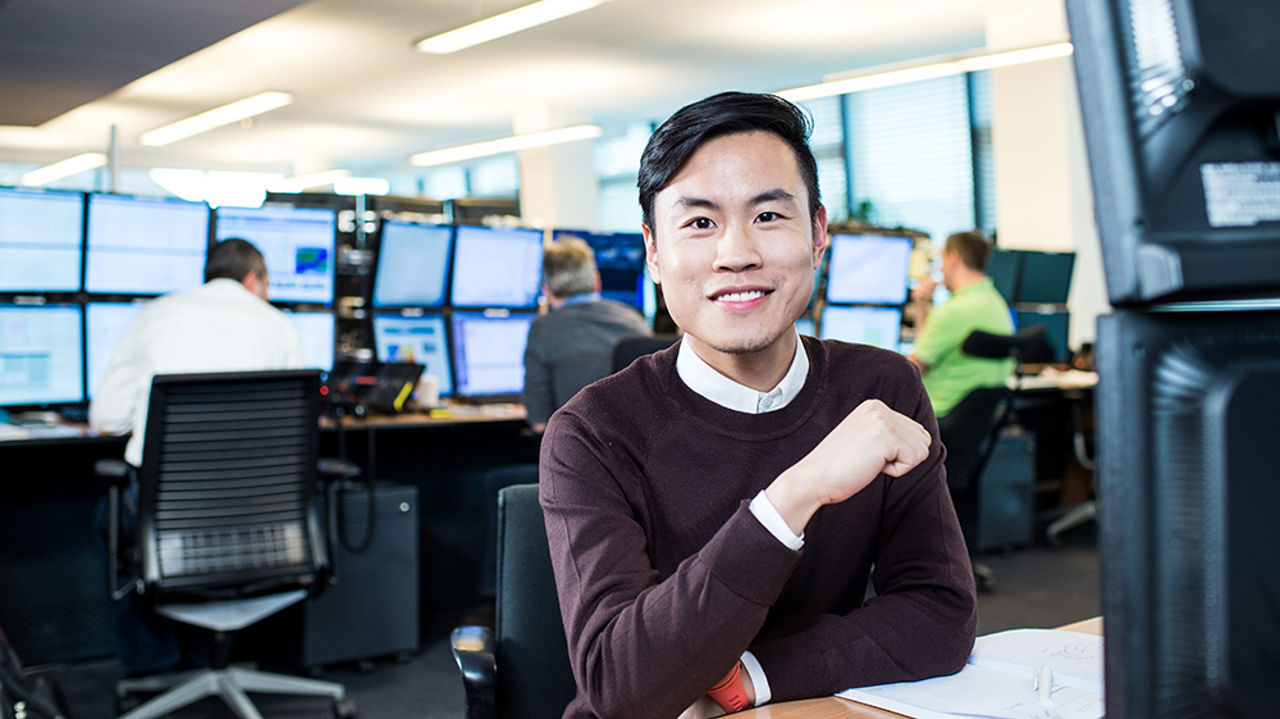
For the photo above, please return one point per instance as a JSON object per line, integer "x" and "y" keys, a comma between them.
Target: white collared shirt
{"x": 705, "y": 380}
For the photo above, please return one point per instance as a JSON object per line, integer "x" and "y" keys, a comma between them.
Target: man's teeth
{"x": 741, "y": 296}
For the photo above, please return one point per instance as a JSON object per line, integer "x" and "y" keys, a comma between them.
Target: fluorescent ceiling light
{"x": 927, "y": 69}
{"x": 505, "y": 144}
{"x": 217, "y": 117}
{"x": 64, "y": 168}
{"x": 361, "y": 186}
{"x": 298, "y": 183}
{"x": 503, "y": 24}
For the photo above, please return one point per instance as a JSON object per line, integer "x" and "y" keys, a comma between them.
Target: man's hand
{"x": 923, "y": 292}
{"x": 873, "y": 439}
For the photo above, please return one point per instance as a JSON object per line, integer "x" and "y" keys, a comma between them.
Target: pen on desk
{"x": 1043, "y": 683}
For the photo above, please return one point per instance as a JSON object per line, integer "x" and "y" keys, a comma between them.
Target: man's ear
{"x": 819, "y": 229}
{"x": 651, "y": 253}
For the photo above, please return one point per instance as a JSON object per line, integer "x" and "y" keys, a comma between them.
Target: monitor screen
{"x": 1045, "y": 277}
{"x": 806, "y": 326}
{"x": 144, "y": 246}
{"x": 105, "y": 325}
{"x": 488, "y": 353}
{"x": 41, "y": 356}
{"x": 495, "y": 267}
{"x": 879, "y": 326}
{"x": 297, "y": 243}
{"x": 40, "y": 241}
{"x": 316, "y": 330}
{"x": 413, "y": 264}
{"x": 420, "y": 340}
{"x": 620, "y": 259}
{"x": 1057, "y": 327}
{"x": 1004, "y": 268}
{"x": 870, "y": 269}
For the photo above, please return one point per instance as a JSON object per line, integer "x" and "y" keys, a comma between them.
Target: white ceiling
{"x": 365, "y": 100}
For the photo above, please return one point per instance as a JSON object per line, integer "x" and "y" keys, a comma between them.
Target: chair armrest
{"x": 338, "y": 469}
{"x": 472, "y": 648}
{"x": 115, "y": 471}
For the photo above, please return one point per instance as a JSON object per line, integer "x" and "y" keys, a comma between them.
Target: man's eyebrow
{"x": 774, "y": 195}
{"x": 687, "y": 201}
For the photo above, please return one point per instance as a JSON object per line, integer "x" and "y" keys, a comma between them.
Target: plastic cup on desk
{"x": 427, "y": 393}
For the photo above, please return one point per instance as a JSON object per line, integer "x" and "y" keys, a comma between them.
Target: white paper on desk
{"x": 997, "y": 682}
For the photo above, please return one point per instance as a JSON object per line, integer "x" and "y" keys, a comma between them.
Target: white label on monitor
{"x": 1241, "y": 194}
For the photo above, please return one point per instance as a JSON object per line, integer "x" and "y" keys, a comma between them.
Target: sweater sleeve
{"x": 641, "y": 645}
{"x": 922, "y": 621}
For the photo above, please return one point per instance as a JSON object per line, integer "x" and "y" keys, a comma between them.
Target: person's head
{"x": 236, "y": 259}
{"x": 964, "y": 258}
{"x": 569, "y": 268}
{"x": 733, "y": 225}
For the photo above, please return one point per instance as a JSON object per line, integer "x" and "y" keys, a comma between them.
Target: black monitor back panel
{"x": 1180, "y": 123}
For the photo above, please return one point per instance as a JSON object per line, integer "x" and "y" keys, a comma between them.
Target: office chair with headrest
{"x": 970, "y": 430}
{"x": 521, "y": 668}
{"x": 629, "y": 349}
{"x": 229, "y": 529}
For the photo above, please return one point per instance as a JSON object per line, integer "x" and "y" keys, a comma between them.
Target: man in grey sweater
{"x": 572, "y": 345}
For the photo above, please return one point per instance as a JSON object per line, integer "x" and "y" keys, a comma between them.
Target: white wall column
{"x": 1043, "y": 193}
{"x": 558, "y": 182}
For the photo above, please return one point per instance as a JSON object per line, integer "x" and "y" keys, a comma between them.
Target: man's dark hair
{"x": 234, "y": 258}
{"x": 728, "y": 113}
{"x": 973, "y": 248}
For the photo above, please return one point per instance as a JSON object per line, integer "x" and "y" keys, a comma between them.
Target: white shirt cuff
{"x": 772, "y": 521}
{"x": 758, "y": 681}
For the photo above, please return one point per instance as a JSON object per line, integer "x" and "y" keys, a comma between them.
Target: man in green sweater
{"x": 948, "y": 372}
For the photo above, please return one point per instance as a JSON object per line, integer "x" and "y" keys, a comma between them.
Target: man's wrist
{"x": 788, "y": 494}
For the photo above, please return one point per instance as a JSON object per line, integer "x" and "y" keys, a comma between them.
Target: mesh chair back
{"x": 228, "y": 481}
{"x": 534, "y": 677}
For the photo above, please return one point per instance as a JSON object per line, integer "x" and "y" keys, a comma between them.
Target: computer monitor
{"x": 620, "y": 258}
{"x": 1004, "y": 268}
{"x": 105, "y": 326}
{"x": 297, "y": 243}
{"x": 878, "y": 326}
{"x": 1057, "y": 327}
{"x": 145, "y": 246}
{"x": 1187, "y": 511}
{"x": 316, "y": 330}
{"x": 413, "y": 264}
{"x": 1045, "y": 277}
{"x": 40, "y": 240}
{"x": 806, "y": 326}
{"x": 488, "y": 353}
{"x": 496, "y": 267}
{"x": 1179, "y": 100}
{"x": 869, "y": 269}
{"x": 418, "y": 339}
{"x": 41, "y": 357}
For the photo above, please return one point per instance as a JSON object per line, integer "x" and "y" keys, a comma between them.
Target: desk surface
{"x": 837, "y": 708}
{"x": 449, "y": 414}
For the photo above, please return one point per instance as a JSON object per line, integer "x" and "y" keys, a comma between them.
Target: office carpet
{"x": 1036, "y": 587}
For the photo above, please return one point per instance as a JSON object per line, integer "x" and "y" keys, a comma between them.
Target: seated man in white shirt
{"x": 223, "y": 325}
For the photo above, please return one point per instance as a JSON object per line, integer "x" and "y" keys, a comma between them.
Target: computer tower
{"x": 372, "y": 609}
{"x": 1006, "y": 494}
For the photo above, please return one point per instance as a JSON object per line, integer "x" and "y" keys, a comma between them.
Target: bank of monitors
{"x": 488, "y": 353}
{"x": 297, "y": 242}
{"x": 413, "y": 265}
{"x": 420, "y": 339}
{"x": 316, "y": 331}
{"x": 496, "y": 267}
{"x": 1057, "y": 327}
{"x": 868, "y": 269}
{"x": 620, "y": 258}
{"x": 1024, "y": 277}
{"x": 878, "y": 326}
{"x": 144, "y": 246}
{"x": 40, "y": 235}
{"x": 105, "y": 326}
{"x": 41, "y": 360}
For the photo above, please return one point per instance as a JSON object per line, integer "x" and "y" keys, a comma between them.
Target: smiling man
{"x": 716, "y": 510}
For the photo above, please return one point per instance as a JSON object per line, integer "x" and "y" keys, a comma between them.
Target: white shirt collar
{"x": 706, "y": 381}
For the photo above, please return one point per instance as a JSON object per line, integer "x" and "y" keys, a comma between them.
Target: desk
{"x": 837, "y": 708}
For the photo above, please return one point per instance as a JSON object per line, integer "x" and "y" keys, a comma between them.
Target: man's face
{"x": 733, "y": 245}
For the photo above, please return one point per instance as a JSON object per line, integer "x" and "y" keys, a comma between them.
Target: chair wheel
{"x": 344, "y": 709}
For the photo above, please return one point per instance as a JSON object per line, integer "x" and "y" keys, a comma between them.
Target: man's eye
{"x": 701, "y": 223}
{"x": 768, "y": 217}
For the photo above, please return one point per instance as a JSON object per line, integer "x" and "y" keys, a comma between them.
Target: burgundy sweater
{"x": 665, "y": 576}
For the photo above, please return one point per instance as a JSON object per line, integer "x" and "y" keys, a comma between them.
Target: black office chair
{"x": 629, "y": 349}
{"x": 229, "y": 529}
{"x": 521, "y": 668}
{"x": 971, "y": 429}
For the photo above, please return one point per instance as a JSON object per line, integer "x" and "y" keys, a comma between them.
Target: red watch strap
{"x": 730, "y": 693}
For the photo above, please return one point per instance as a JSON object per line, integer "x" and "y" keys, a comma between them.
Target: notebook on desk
{"x": 1003, "y": 678}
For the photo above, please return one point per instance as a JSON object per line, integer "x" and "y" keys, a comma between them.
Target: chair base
{"x": 230, "y": 684}
{"x": 1078, "y": 515}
